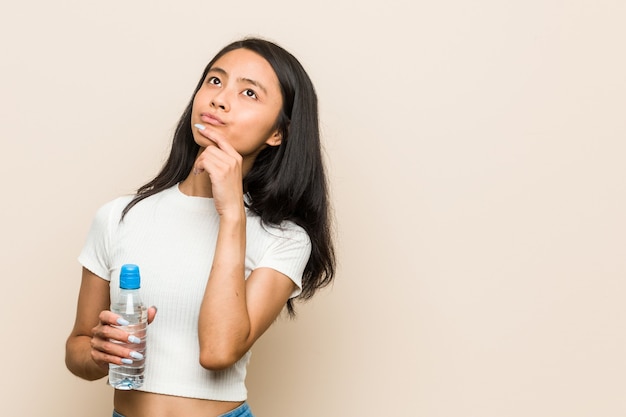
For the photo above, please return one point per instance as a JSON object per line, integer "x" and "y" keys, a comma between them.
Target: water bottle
{"x": 129, "y": 307}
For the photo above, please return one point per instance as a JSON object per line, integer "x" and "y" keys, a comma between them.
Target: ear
{"x": 275, "y": 139}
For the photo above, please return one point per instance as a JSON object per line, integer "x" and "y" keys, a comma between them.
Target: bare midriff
{"x": 147, "y": 404}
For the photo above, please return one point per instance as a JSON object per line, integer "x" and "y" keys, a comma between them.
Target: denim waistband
{"x": 242, "y": 411}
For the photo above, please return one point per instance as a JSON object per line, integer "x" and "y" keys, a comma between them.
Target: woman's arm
{"x": 235, "y": 312}
{"x": 92, "y": 299}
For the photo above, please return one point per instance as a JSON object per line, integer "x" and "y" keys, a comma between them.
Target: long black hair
{"x": 286, "y": 182}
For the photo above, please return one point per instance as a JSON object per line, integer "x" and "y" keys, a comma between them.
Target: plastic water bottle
{"x": 129, "y": 307}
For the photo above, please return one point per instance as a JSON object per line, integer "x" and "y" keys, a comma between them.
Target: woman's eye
{"x": 249, "y": 93}
{"x": 213, "y": 80}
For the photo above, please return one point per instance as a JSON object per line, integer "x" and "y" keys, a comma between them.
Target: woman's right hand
{"x": 109, "y": 344}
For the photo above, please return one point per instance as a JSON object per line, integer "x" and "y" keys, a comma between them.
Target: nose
{"x": 220, "y": 101}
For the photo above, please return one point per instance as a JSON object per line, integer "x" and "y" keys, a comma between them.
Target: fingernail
{"x": 127, "y": 361}
{"x": 136, "y": 355}
{"x": 133, "y": 339}
{"x": 199, "y": 126}
{"x": 122, "y": 322}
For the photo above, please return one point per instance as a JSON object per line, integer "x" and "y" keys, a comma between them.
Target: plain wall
{"x": 476, "y": 155}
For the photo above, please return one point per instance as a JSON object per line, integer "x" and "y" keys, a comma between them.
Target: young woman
{"x": 231, "y": 231}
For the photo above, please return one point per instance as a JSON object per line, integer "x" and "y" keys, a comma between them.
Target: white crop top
{"x": 172, "y": 236}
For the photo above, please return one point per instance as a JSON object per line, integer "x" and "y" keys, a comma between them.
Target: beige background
{"x": 476, "y": 152}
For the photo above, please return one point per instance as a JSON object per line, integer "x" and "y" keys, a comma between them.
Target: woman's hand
{"x": 109, "y": 344}
{"x": 223, "y": 164}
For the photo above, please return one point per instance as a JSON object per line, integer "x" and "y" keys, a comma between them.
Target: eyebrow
{"x": 240, "y": 79}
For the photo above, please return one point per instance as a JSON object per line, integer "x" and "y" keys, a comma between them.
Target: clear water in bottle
{"x": 126, "y": 377}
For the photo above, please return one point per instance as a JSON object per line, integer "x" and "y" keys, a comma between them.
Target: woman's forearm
{"x": 224, "y": 323}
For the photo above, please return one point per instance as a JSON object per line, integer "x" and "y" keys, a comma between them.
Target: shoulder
{"x": 286, "y": 232}
{"x": 113, "y": 207}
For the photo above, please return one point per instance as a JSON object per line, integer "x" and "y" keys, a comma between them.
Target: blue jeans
{"x": 242, "y": 411}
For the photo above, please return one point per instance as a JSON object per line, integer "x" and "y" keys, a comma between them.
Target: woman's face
{"x": 240, "y": 100}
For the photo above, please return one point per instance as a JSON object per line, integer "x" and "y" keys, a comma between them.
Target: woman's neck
{"x": 196, "y": 185}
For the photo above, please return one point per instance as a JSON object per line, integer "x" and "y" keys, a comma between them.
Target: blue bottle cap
{"x": 129, "y": 277}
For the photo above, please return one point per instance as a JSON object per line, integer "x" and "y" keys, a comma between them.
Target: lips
{"x": 211, "y": 119}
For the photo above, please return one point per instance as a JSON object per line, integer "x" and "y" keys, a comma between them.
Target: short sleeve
{"x": 289, "y": 253}
{"x": 96, "y": 253}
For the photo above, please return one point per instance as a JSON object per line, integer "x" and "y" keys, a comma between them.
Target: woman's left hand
{"x": 223, "y": 164}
